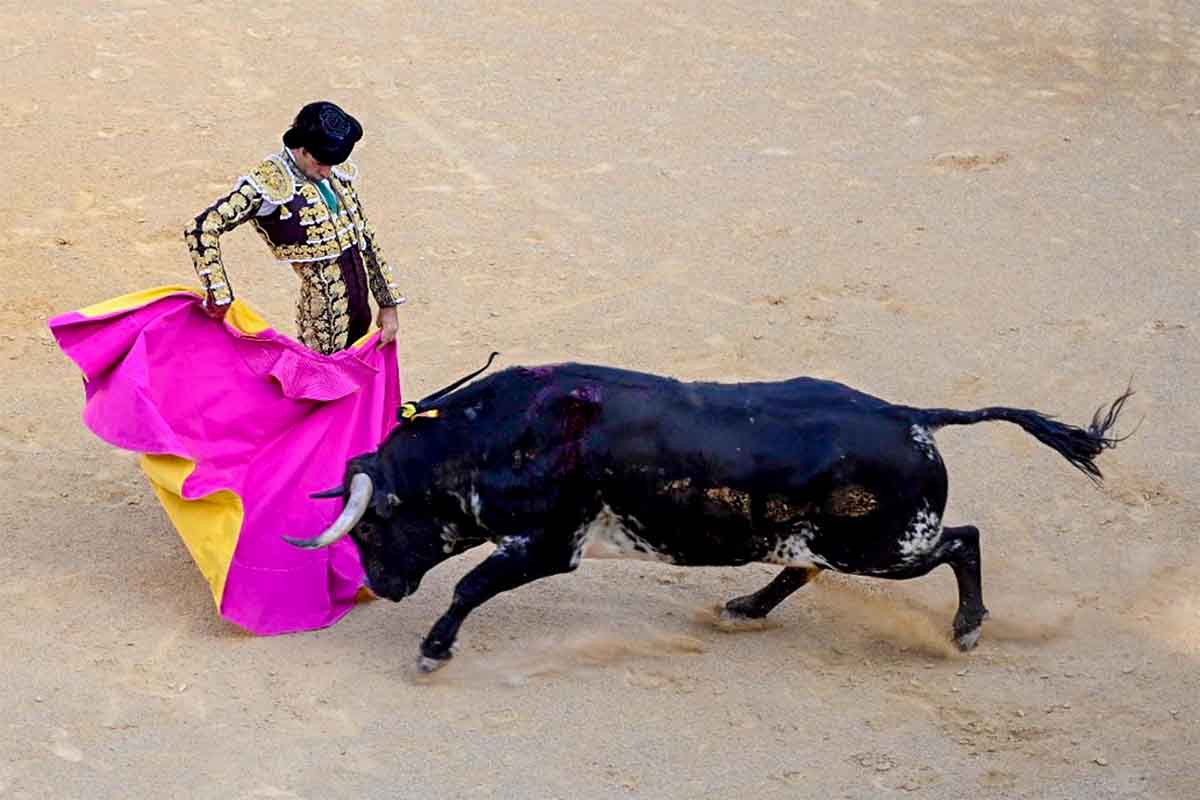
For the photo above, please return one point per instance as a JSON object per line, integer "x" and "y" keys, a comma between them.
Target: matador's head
{"x": 326, "y": 131}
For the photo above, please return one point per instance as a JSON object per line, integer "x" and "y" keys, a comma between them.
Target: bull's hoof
{"x": 967, "y": 628}
{"x": 966, "y": 641}
{"x": 734, "y": 616}
{"x": 743, "y": 608}
{"x": 427, "y": 665}
{"x": 733, "y": 620}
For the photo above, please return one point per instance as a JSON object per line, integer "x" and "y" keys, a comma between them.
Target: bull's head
{"x": 397, "y": 543}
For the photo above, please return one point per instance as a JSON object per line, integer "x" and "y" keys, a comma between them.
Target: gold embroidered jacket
{"x": 291, "y": 216}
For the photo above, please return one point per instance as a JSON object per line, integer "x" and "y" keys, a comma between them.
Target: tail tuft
{"x": 1080, "y": 446}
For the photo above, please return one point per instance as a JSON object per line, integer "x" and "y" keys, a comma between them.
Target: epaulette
{"x": 346, "y": 171}
{"x": 273, "y": 180}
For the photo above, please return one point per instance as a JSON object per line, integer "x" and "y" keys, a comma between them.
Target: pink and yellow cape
{"x": 237, "y": 425}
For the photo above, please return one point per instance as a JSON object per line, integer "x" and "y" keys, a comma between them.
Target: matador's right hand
{"x": 212, "y": 309}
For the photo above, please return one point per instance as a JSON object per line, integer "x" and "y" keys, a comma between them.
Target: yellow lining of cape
{"x": 209, "y": 526}
{"x": 240, "y": 315}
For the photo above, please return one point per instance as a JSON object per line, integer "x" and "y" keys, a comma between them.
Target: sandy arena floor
{"x": 947, "y": 203}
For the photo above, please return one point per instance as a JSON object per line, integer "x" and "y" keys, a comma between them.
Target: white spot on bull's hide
{"x": 923, "y": 438}
{"x": 513, "y": 544}
{"x": 921, "y": 535}
{"x": 449, "y": 537}
{"x": 610, "y": 536}
{"x": 793, "y": 550}
{"x": 476, "y": 506}
{"x": 471, "y": 505}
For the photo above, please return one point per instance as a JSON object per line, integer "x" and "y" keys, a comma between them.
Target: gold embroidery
{"x": 321, "y": 318}
{"x": 274, "y": 181}
{"x": 284, "y": 213}
{"x": 347, "y": 171}
{"x": 318, "y": 233}
{"x": 202, "y": 238}
{"x": 309, "y": 215}
{"x": 316, "y": 251}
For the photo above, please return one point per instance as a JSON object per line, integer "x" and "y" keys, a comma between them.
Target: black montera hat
{"x": 324, "y": 130}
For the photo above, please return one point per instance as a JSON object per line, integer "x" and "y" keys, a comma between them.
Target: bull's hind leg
{"x": 759, "y": 604}
{"x": 960, "y": 549}
{"x": 517, "y": 561}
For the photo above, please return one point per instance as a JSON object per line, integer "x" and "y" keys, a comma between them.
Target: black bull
{"x": 560, "y": 462}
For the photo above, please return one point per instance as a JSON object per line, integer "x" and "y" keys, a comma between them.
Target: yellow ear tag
{"x": 409, "y": 411}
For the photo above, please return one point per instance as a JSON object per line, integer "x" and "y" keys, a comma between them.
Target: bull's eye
{"x": 368, "y": 533}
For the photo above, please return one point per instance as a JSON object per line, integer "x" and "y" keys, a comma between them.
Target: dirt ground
{"x": 946, "y": 203}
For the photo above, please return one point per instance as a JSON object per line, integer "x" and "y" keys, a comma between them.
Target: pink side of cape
{"x": 261, "y": 416}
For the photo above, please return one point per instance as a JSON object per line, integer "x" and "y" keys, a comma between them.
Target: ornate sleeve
{"x": 379, "y": 274}
{"x": 203, "y": 237}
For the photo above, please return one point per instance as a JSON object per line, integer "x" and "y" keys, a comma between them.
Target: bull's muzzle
{"x": 361, "y": 489}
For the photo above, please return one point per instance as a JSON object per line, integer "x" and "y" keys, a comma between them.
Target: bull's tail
{"x": 1080, "y": 446}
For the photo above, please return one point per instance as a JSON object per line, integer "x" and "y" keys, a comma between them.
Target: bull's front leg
{"x": 759, "y": 604}
{"x": 516, "y": 561}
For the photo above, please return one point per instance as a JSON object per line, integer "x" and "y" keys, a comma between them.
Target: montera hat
{"x": 325, "y": 131}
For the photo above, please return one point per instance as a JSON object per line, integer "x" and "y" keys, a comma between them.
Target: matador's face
{"x": 310, "y": 166}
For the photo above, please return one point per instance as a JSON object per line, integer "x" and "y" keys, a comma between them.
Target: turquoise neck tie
{"x": 330, "y": 196}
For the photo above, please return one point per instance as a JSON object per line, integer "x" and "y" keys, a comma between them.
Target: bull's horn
{"x": 360, "y": 495}
{"x": 337, "y": 491}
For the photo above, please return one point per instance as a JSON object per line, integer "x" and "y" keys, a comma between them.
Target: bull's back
{"x": 697, "y": 473}
{"x": 724, "y": 476}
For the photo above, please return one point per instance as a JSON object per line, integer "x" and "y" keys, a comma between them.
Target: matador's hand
{"x": 389, "y": 324}
{"x": 212, "y": 309}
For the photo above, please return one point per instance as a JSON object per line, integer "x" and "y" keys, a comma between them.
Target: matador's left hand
{"x": 389, "y": 324}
